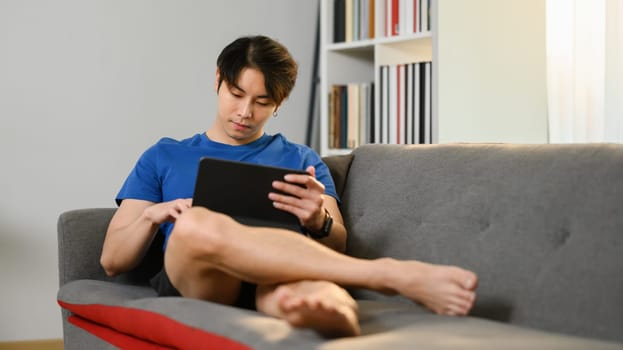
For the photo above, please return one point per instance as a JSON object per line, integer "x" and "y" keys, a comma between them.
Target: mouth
{"x": 240, "y": 126}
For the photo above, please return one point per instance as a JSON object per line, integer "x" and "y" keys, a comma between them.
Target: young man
{"x": 285, "y": 274}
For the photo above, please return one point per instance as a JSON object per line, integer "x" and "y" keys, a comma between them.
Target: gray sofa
{"x": 542, "y": 225}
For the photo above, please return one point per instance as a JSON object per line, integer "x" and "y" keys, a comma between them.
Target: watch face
{"x": 326, "y": 229}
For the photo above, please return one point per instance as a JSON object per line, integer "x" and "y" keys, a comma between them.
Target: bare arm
{"x": 132, "y": 229}
{"x": 309, "y": 204}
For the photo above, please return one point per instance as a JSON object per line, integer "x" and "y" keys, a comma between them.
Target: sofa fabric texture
{"x": 541, "y": 225}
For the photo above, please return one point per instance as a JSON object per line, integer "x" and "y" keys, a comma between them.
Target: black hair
{"x": 264, "y": 54}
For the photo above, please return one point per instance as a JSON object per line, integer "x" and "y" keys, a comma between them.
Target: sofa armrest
{"x": 80, "y": 238}
{"x": 81, "y": 235}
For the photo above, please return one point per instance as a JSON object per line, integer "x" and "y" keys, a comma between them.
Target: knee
{"x": 198, "y": 230}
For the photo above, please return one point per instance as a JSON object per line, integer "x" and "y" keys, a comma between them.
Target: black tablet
{"x": 240, "y": 190}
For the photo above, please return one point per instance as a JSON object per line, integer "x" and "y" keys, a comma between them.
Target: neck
{"x": 216, "y": 136}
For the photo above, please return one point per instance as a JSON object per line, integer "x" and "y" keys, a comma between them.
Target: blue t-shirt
{"x": 168, "y": 169}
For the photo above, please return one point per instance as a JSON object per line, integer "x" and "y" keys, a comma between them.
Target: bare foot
{"x": 446, "y": 290}
{"x": 318, "y": 305}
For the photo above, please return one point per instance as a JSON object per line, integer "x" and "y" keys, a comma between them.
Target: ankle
{"x": 386, "y": 276}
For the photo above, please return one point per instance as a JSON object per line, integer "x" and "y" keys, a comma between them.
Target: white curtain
{"x": 585, "y": 70}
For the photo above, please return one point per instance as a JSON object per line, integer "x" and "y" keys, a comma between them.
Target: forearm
{"x": 125, "y": 246}
{"x": 336, "y": 239}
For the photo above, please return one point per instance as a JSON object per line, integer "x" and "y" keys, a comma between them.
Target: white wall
{"x": 491, "y": 71}
{"x": 85, "y": 87}
{"x": 614, "y": 72}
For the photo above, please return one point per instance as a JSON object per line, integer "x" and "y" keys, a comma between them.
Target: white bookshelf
{"x": 488, "y": 73}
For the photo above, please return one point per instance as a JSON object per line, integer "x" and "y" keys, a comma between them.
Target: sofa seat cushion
{"x": 106, "y": 308}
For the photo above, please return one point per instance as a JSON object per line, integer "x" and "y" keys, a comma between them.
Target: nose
{"x": 246, "y": 109}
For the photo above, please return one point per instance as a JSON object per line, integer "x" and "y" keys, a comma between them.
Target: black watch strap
{"x": 326, "y": 227}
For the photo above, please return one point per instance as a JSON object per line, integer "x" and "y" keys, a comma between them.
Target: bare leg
{"x": 322, "y": 306}
{"x": 196, "y": 278}
{"x": 206, "y": 241}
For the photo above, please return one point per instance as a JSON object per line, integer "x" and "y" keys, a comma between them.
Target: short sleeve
{"x": 323, "y": 174}
{"x": 144, "y": 181}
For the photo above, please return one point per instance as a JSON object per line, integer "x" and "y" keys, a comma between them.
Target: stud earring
{"x": 275, "y": 114}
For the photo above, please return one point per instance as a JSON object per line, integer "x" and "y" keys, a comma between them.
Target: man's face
{"x": 243, "y": 108}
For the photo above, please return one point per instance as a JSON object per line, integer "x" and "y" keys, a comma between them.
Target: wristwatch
{"x": 326, "y": 227}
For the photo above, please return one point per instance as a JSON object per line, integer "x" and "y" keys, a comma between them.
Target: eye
{"x": 235, "y": 92}
{"x": 262, "y": 103}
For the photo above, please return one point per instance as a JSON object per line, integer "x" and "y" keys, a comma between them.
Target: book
{"x": 401, "y": 98}
{"x": 425, "y": 103}
{"x": 371, "y": 18}
{"x": 365, "y": 113}
{"x": 416, "y": 103}
{"x": 335, "y": 109}
{"x": 423, "y": 27}
{"x": 408, "y": 17}
{"x": 414, "y": 15}
{"x": 353, "y": 116}
{"x": 339, "y": 9}
{"x": 393, "y": 105}
{"x": 408, "y": 134}
{"x": 428, "y": 117}
{"x": 372, "y": 118}
{"x": 356, "y": 19}
{"x": 395, "y": 10}
{"x": 380, "y": 28}
{"x": 364, "y": 17}
{"x": 380, "y": 111}
{"x": 428, "y": 17}
{"x": 348, "y": 23}
{"x": 384, "y": 127}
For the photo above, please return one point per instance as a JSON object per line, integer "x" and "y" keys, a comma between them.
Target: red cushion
{"x": 141, "y": 329}
{"x": 118, "y": 339}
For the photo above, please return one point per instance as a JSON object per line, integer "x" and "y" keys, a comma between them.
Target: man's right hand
{"x": 167, "y": 211}
{"x": 132, "y": 230}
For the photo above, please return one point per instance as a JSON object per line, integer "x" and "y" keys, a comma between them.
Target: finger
{"x": 293, "y": 209}
{"x": 304, "y": 180}
{"x": 301, "y": 207}
{"x": 311, "y": 170}
{"x": 174, "y": 213}
{"x": 302, "y": 214}
{"x": 312, "y": 187}
{"x": 289, "y": 190}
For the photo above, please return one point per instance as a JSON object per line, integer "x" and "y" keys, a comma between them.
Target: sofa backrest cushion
{"x": 339, "y": 166}
{"x": 542, "y": 225}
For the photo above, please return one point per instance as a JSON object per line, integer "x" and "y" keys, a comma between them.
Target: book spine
{"x": 339, "y": 8}
{"x": 371, "y": 19}
{"x": 416, "y": 103}
{"x": 386, "y": 107}
{"x": 395, "y": 15}
{"x": 356, "y": 18}
{"x": 424, "y": 13}
{"x": 415, "y": 15}
{"x": 428, "y": 102}
{"x": 348, "y": 36}
{"x": 378, "y": 116}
